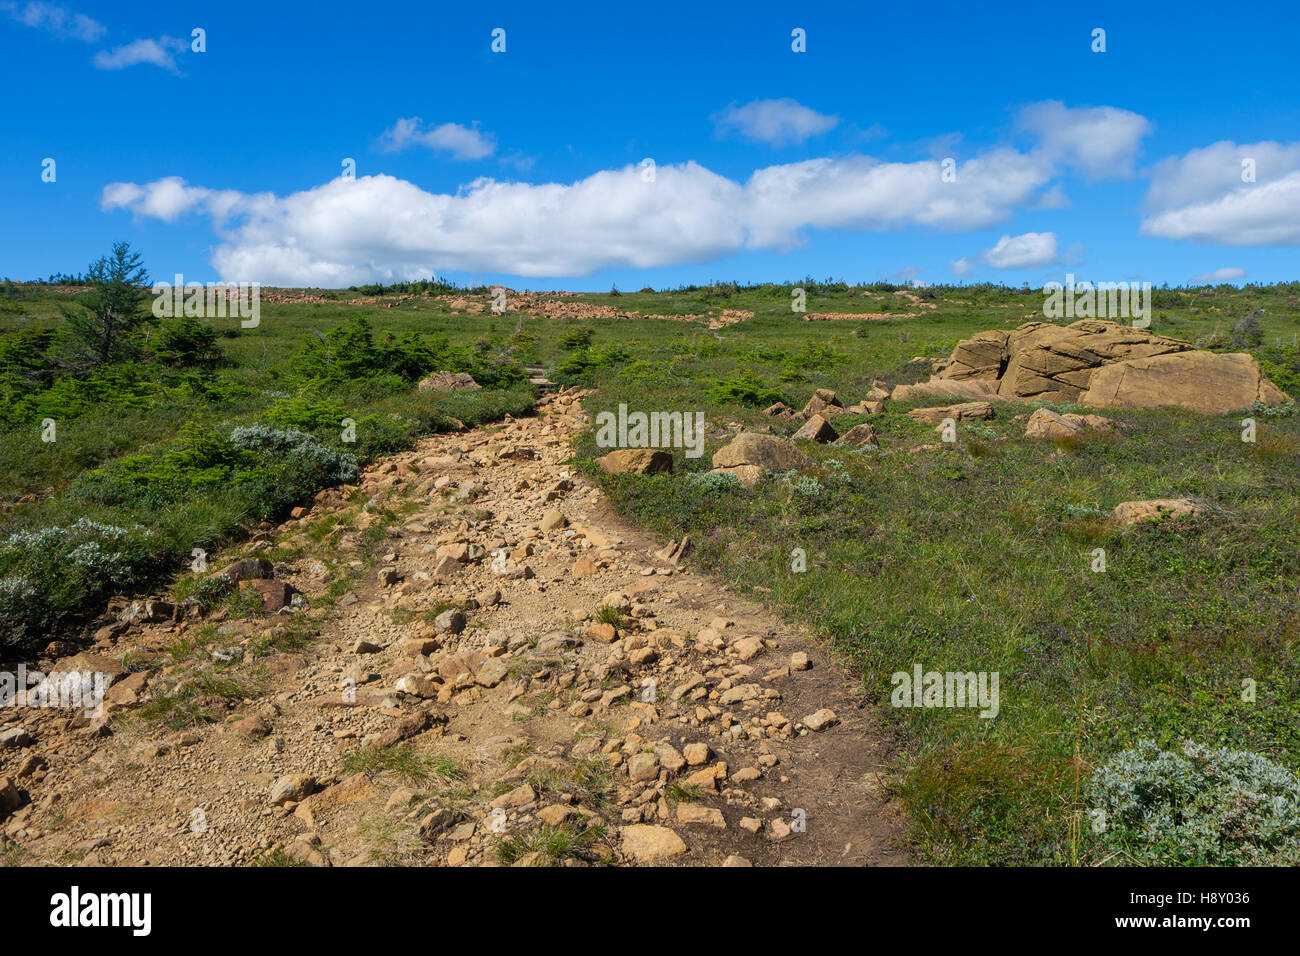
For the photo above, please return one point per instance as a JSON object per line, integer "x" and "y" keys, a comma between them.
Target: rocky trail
{"x": 511, "y": 676}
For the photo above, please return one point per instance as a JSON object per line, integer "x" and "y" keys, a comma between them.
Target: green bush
{"x": 185, "y": 342}
{"x": 272, "y": 468}
{"x": 350, "y": 353}
{"x": 52, "y": 572}
{"x": 1206, "y": 807}
{"x": 1282, "y": 365}
{"x": 580, "y": 366}
{"x": 744, "y": 389}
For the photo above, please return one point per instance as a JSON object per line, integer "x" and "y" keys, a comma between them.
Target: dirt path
{"x": 467, "y": 702}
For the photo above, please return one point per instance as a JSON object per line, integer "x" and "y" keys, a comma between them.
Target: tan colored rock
{"x": 448, "y": 382}
{"x": 552, "y": 520}
{"x": 1080, "y": 362}
{"x": 292, "y": 787}
{"x": 1133, "y": 512}
{"x": 696, "y": 754}
{"x": 649, "y": 844}
{"x": 1045, "y": 423}
{"x": 965, "y": 412}
{"x": 749, "y": 453}
{"x": 824, "y": 403}
{"x": 354, "y": 789}
{"x": 817, "y": 429}
{"x": 521, "y": 796}
{"x": 418, "y": 686}
{"x": 857, "y": 436}
{"x": 973, "y": 390}
{"x": 643, "y": 766}
{"x": 693, "y": 813}
{"x": 823, "y": 718}
{"x": 1205, "y": 382}
{"x": 879, "y": 392}
{"x": 636, "y": 461}
{"x": 555, "y": 815}
{"x": 867, "y": 408}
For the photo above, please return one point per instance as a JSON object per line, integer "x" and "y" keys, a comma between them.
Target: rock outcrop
{"x": 1100, "y": 364}
{"x": 1205, "y": 382}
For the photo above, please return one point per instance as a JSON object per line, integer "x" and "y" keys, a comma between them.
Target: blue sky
{"x": 524, "y": 167}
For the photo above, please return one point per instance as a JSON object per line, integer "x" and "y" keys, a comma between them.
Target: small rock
{"x": 820, "y": 720}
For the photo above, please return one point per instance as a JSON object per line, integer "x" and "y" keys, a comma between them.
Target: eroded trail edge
{"x": 511, "y": 676}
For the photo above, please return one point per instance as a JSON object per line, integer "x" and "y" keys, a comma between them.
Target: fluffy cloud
{"x": 161, "y": 52}
{"x": 1101, "y": 141}
{"x": 380, "y": 228}
{"x": 55, "y": 20}
{"x": 775, "y": 122}
{"x": 1226, "y": 274}
{"x": 1201, "y": 196}
{"x": 459, "y": 142}
{"x": 1032, "y": 250}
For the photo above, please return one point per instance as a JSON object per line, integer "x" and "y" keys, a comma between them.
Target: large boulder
{"x": 636, "y": 461}
{"x": 449, "y": 382}
{"x": 1099, "y": 363}
{"x": 1206, "y": 382}
{"x": 749, "y": 453}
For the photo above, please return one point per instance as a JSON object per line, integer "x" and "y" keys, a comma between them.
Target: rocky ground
{"x": 482, "y": 665}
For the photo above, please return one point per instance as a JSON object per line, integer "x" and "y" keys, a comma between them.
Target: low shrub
{"x": 49, "y": 573}
{"x": 744, "y": 389}
{"x": 1203, "y": 806}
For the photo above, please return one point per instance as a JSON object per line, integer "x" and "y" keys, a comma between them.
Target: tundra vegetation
{"x": 973, "y": 556}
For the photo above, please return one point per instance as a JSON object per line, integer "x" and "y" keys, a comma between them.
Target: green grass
{"x": 188, "y": 703}
{"x": 553, "y": 844}
{"x": 403, "y": 762}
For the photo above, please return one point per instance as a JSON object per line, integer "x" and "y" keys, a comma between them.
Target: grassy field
{"x": 974, "y": 557}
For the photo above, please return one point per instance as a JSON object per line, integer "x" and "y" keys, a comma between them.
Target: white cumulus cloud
{"x": 459, "y": 142}
{"x": 1032, "y": 250}
{"x": 1101, "y": 141}
{"x": 1201, "y": 196}
{"x": 381, "y": 228}
{"x": 775, "y": 122}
